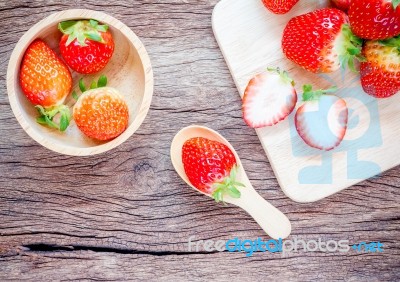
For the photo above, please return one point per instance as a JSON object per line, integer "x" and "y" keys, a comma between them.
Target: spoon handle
{"x": 271, "y": 220}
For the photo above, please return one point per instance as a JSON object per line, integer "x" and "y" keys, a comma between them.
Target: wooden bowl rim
{"x": 54, "y": 19}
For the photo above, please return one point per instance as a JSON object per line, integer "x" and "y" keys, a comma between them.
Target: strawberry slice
{"x": 269, "y": 98}
{"x": 322, "y": 120}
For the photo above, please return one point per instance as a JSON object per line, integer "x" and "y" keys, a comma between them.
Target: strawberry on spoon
{"x": 269, "y": 98}
{"x": 321, "y": 41}
{"x": 86, "y": 46}
{"x": 375, "y": 19}
{"x": 279, "y": 6}
{"x": 322, "y": 120}
{"x": 46, "y": 81}
{"x": 271, "y": 220}
{"x": 211, "y": 167}
{"x": 380, "y": 73}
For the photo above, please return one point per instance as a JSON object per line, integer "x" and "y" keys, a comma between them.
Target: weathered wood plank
{"x": 126, "y": 214}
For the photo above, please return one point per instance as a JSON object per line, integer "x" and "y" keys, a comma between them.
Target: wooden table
{"x": 127, "y": 215}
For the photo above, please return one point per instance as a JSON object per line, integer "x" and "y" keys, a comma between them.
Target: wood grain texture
{"x": 250, "y": 40}
{"x": 126, "y": 214}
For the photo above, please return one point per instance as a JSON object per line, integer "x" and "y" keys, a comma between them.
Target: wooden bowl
{"x": 129, "y": 71}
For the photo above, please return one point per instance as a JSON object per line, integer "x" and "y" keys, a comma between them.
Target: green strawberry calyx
{"x": 48, "y": 114}
{"x": 395, "y": 3}
{"x": 82, "y": 30}
{"x": 101, "y": 82}
{"x": 284, "y": 75}
{"x": 392, "y": 42}
{"x": 351, "y": 49}
{"x": 313, "y": 95}
{"x": 228, "y": 187}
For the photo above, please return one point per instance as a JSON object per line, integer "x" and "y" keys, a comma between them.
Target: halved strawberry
{"x": 380, "y": 73}
{"x": 101, "y": 113}
{"x": 322, "y": 120}
{"x": 375, "y": 19}
{"x": 269, "y": 98}
{"x": 46, "y": 81}
{"x": 211, "y": 167}
{"x": 279, "y": 6}
{"x": 321, "y": 41}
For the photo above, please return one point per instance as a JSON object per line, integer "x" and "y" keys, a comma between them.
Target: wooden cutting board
{"x": 250, "y": 39}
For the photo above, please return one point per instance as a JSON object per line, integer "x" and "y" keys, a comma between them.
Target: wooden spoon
{"x": 271, "y": 220}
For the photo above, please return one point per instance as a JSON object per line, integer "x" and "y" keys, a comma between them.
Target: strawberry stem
{"x": 228, "y": 187}
{"x": 284, "y": 75}
{"x": 82, "y": 30}
{"x": 101, "y": 82}
{"x": 47, "y": 115}
{"x": 313, "y": 95}
{"x": 395, "y": 3}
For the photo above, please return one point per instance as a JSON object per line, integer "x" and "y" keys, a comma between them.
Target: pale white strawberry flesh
{"x": 322, "y": 123}
{"x": 268, "y": 99}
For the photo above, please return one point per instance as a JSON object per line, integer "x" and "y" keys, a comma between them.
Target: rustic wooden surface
{"x": 127, "y": 215}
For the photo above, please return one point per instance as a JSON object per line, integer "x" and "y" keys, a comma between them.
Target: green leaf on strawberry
{"x": 47, "y": 115}
{"x": 82, "y": 30}
{"x": 228, "y": 187}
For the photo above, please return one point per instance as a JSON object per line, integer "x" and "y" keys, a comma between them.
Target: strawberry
{"x": 86, "y": 46}
{"x": 46, "y": 81}
{"x": 211, "y": 167}
{"x": 322, "y": 120}
{"x": 101, "y": 112}
{"x": 380, "y": 73}
{"x": 342, "y": 4}
{"x": 269, "y": 98}
{"x": 321, "y": 41}
{"x": 279, "y": 6}
{"x": 375, "y": 19}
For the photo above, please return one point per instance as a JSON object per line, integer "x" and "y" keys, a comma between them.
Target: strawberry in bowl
{"x": 86, "y": 45}
{"x": 321, "y": 41}
{"x": 322, "y": 119}
{"x": 101, "y": 112}
{"x": 211, "y": 167}
{"x": 46, "y": 81}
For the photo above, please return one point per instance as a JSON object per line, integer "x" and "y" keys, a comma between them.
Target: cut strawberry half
{"x": 269, "y": 98}
{"x": 322, "y": 120}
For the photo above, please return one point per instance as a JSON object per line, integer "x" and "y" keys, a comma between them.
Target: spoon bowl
{"x": 271, "y": 220}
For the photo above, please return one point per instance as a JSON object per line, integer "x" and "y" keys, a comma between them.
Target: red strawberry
{"x": 210, "y": 167}
{"x": 101, "y": 113}
{"x": 86, "y": 46}
{"x": 269, "y": 98}
{"x": 380, "y": 73}
{"x": 342, "y": 4}
{"x": 46, "y": 81}
{"x": 321, "y": 41}
{"x": 279, "y": 6}
{"x": 322, "y": 120}
{"x": 375, "y": 19}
